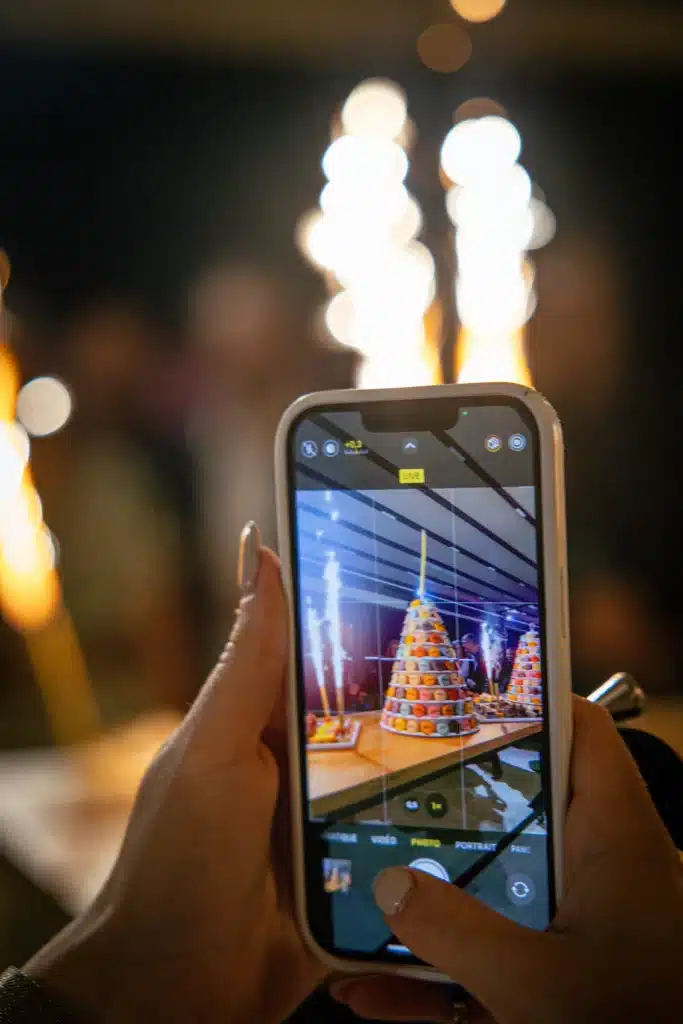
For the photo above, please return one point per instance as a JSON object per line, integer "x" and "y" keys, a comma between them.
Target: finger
{"x": 403, "y": 999}
{"x": 610, "y": 805}
{"x": 462, "y": 937}
{"x": 238, "y": 700}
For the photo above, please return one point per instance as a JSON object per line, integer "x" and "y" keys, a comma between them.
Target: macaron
{"x": 427, "y": 727}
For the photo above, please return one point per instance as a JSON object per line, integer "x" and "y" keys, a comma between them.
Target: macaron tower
{"x": 526, "y": 681}
{"x": 524, "y": 696}
{"x": 427, "y": 696}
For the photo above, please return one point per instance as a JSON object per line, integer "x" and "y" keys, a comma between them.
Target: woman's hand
{"x": 613, "y": 952}
{"x": 195, "y": 922}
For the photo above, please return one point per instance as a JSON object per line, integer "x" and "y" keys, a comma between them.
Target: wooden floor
{"x": 339, "y": 778}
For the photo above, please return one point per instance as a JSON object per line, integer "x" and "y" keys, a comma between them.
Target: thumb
{"x": 239, "y": 697}
{"x": 489, "y": 955}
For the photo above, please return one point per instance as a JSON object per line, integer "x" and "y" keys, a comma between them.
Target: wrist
{"x": 80, "y": 967}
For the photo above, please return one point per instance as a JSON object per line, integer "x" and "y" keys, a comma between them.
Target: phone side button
{"x": 564, "y": 611}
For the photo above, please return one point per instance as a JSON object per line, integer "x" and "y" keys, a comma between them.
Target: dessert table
{"x": 381, "y": 760}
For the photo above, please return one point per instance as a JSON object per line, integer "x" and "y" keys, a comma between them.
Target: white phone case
{"x": 556, "y": 616}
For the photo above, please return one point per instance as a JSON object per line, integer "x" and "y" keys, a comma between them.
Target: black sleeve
{"x": 24, "y": 1001}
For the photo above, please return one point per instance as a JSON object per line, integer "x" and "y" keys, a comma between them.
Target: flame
{"x": 485, "y": 358}
{"x": 30, "y": 591}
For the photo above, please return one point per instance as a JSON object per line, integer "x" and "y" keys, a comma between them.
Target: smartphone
{"x": 422, "y": 536}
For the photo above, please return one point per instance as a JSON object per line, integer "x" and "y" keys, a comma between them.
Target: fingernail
{"x": 249, "y": 559}
{"x": 392, "y": 889}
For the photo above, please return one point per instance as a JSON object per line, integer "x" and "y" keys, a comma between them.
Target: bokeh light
{"x": 360, "y": 159}
{"x": 497, "y": 219}
{"x": 544, "y": 224}
{"x": 13, "y": 459}
{"x": 340, "y": 318}
{"x": 376, "y": 107}
{"x": 479, "y": 106}
{"x": 478, "y": 10}
{"x": 363, "y": 237}
{"x": 444, "y": 48}
{"x": 479, "y": 148}
{"x": 44, "y": 406}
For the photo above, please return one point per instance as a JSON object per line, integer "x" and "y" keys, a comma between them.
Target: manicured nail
{"x": 392, "y": 889}
{"x": 249, "y": 559}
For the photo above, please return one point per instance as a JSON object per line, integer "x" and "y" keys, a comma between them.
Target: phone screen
{"x": 422, "y": 685}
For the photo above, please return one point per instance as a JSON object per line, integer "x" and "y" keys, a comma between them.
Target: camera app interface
{"x": 421, "y": 667}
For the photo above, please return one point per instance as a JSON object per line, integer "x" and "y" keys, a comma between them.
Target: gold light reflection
{"x": 444, "y": 48}
{"x": 478, "y": 10}
{"x": 30, "y": 594}
{"x": 488, "y": 358}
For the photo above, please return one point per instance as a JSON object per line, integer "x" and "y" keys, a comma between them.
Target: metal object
{"x": 460, "y": 1012}
{"x": 621, "y": 694}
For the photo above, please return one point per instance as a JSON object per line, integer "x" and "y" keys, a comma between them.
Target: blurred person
{"x": 196, "y": 919}
{"x": 504, "y": 672}
{"x": 254, "y": 356}
{"x": 118, "y": 534}
{"x": 477, "y": 677}
{"x": 579, "y": 349}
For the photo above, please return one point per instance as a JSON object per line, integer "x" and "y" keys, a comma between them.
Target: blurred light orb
{"x": 478, "y": 10}
{"x": 359, "y": 159}
{"x": 43, "y": 406}
{"x": 407, "y": 135}
{"x": 19, "y": 440}
{"x": 544, "y": 224}
{"x": 376, "y": 107}
{"x": 494, "y": 205}
{"x": 479, "y": 106}
{"x": 315, "y": 239}
{"x": 480, "y": 148}
{"x": 305, "y": 227}
{"x": 385, "y": 204}
{"x": 13, "y": 459}
{"x": 444, "y": 48}
{"x": 340, "y": 318}
{"x": 409, "y": 224}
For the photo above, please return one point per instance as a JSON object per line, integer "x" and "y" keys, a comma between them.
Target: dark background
{"x": 124, "y": 173}
{"x": 139, "y": 143}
